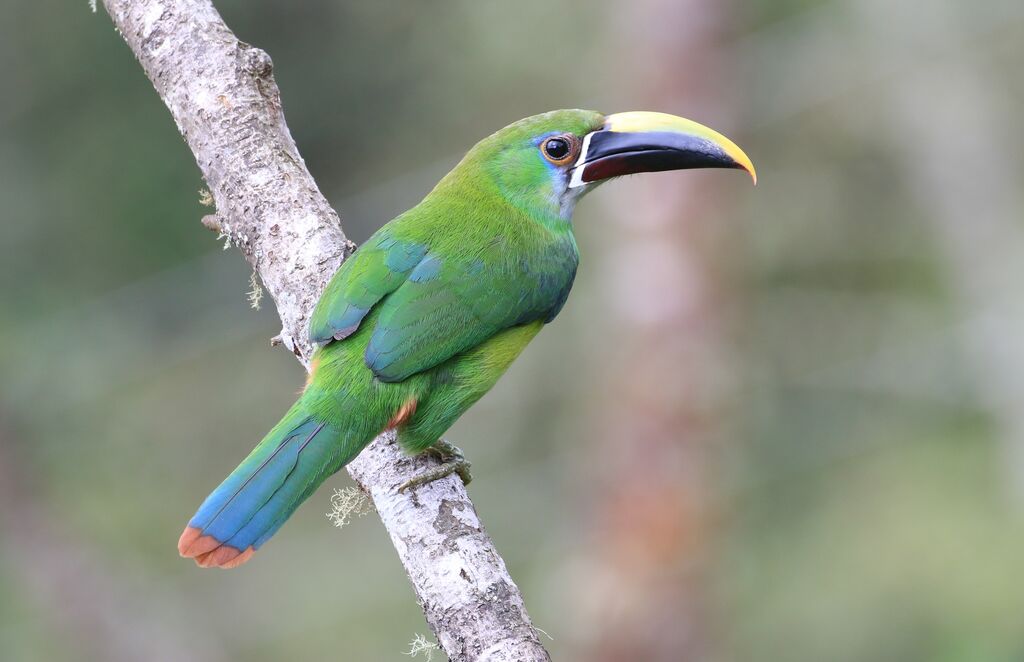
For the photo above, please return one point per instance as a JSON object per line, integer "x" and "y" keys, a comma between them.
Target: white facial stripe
{"x": 577, "y": 170}
{"x": 577, "y": 177}
{"x": 584, "y": 149}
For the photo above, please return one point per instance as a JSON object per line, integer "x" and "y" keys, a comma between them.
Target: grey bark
{"x": 222, "y": 95}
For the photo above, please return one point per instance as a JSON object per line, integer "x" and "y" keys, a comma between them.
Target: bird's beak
{"x": 635, "y": 142}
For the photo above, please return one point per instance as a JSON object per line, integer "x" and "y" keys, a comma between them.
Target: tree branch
{"x": 222, "y": 95}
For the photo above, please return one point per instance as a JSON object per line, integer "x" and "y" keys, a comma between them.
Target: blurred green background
{"x": 782, "y": 423}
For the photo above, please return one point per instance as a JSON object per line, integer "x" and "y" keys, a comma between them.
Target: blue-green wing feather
{"x": 433, "y": 304}
{"x": 378, "y": 268}
{"x": 448, "y": 306}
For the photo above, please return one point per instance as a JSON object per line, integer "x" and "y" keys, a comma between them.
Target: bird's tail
{"x": 263, "y": 491}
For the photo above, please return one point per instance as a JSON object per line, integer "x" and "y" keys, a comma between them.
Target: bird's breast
{"x": 549, "y": 275}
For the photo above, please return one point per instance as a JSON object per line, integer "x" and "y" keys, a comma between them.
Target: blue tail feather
{"x": 310, "y": 470}
{"x": 259, "y": 495}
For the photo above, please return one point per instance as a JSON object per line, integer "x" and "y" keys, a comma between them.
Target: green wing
{"x": 451, "y": 304}
{"x": 434, "y": 307}
{"x": 378, "y": 268}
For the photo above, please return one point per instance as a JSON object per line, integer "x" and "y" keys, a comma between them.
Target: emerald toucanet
{"x": 425, "y": 317}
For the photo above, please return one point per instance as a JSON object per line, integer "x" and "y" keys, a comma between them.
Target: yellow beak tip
{"x": 738, "y": 156}
{"x": 644, "y": 121}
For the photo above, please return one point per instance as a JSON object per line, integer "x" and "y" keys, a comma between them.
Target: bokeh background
{"x": 782, "y": 423}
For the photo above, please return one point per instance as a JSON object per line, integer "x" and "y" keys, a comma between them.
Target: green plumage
{"x": 418, "y": 324}
{"x": 436, "y": 304}
{"x": 426, "y": 316}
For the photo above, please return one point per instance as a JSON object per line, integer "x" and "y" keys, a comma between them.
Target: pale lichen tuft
{"x": 346, "y": 503}
{"x": 421, "y": 644}
{"x": 255, "y": 291}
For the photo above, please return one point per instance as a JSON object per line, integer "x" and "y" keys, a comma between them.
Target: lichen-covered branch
{"x": 222, "y": 95}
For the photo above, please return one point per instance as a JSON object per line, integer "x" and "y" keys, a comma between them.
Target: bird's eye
{"x": 556, "y": 148}
{"x": 559, "y": 149}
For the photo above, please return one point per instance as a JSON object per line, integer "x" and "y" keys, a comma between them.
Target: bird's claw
{"x": 453, "y": 462}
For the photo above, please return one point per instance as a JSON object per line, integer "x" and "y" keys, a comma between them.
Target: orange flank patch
{"x": 404, "y": 413}
{"x": 312, "y": 371}
{"x": 208, "y": 552}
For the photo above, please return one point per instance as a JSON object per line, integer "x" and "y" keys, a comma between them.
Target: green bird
{"x": 425, "y": 317}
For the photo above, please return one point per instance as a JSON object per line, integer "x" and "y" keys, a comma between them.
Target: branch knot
{"x": 257, "y": 60}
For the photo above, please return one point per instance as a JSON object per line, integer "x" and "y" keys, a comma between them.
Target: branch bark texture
{"x": 222, "y": 95}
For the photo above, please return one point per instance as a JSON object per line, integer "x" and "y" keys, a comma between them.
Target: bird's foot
{"x": 454, "y": 462}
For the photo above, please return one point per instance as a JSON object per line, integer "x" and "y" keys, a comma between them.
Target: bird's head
{"x": 545, "y": 163}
